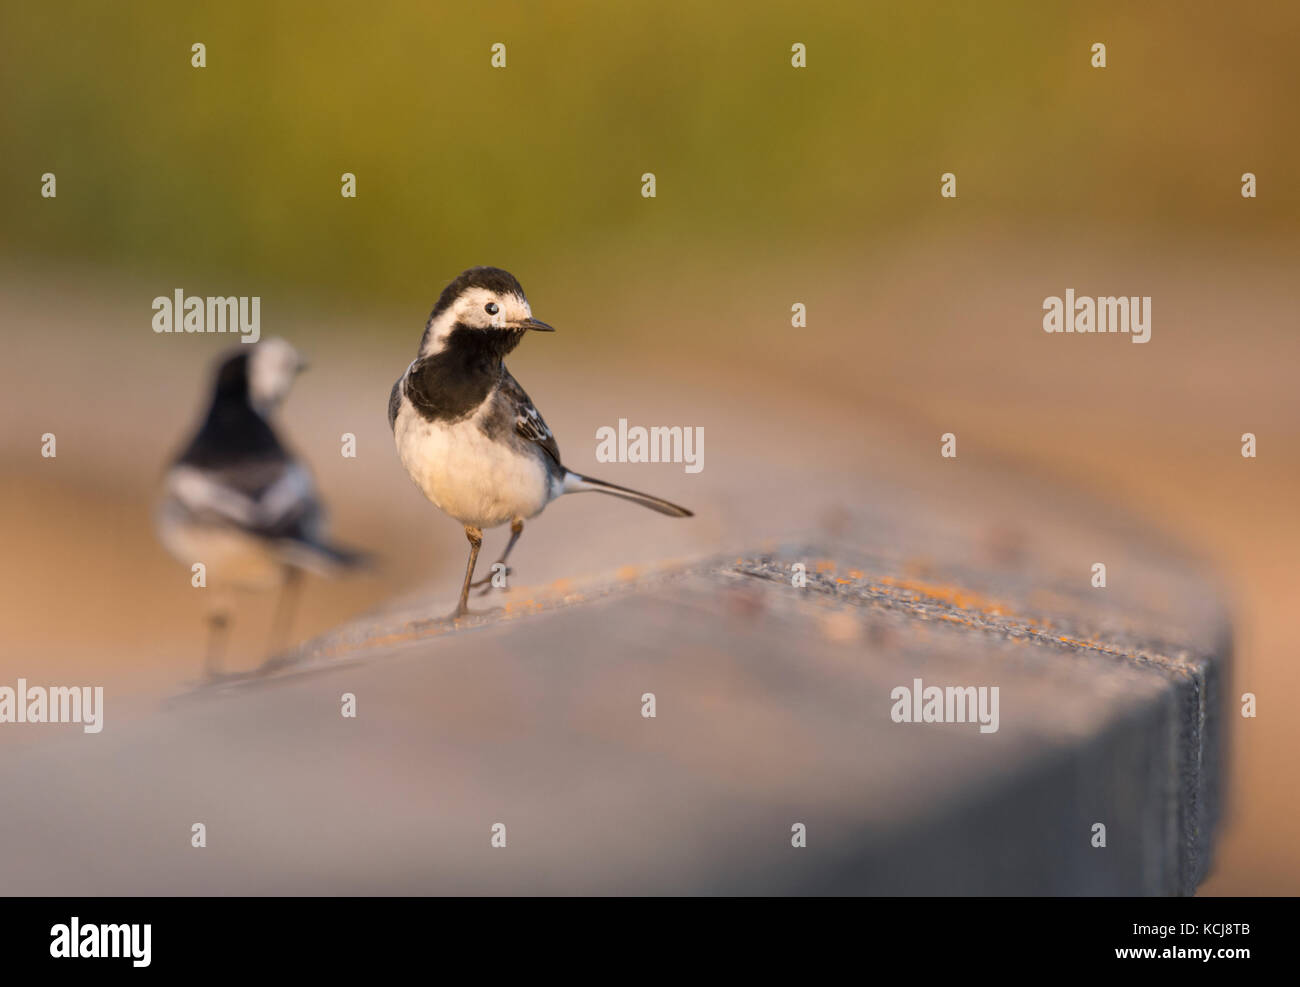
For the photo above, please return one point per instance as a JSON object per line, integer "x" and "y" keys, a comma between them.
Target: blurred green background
{"x": 229, "y": 175}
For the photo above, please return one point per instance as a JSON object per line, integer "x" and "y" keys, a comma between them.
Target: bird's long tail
{"x": 577, "y": 483}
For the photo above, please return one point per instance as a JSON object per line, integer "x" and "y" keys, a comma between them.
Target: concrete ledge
{"x": 773, "y": 708}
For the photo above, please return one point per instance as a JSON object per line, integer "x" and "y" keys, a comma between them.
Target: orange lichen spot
{"x": 962, "y": 599}
{"x": 1095, "y": 645}
{"x": 561, "y": 586}
{"x": 855, "y": 574}
{"x": 825, "y": 565}
{"x": 843, "y": 581}
{"x": 628, "y": 573}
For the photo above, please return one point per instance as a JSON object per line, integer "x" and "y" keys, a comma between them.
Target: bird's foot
{"x": 486, "y": 581}
{"x": 462, "y": 612}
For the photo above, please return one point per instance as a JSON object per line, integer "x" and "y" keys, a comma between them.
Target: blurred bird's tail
{"x": 323, "y": 559}
{"x": 577, "y": 483}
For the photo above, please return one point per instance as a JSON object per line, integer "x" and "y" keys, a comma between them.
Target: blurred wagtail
{"x": 237, "y": 501}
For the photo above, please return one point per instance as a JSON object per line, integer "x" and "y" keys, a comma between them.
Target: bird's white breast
{"x": 478, "y": 481}
{"x": 230, "y": 556}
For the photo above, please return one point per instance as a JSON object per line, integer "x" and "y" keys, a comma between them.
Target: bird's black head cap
{"x": 494, "y": 279}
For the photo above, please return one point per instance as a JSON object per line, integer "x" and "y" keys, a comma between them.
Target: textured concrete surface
{"x": 773, "y": 708}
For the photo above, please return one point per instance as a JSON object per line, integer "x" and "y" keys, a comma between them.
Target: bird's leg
{"x": 217, "y": 623}
{"x": 475, "y": 536}
{"x": 516, "y": 529}
{"x": 284, "y": 610}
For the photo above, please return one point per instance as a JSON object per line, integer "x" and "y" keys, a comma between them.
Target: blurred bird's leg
{"x": 217, "y": 623}
{"x": 475, "y": 536}
{"x": 516, "y": 529}
{"x": 284, "y": 609}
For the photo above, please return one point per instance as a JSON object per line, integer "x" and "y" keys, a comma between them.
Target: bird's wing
{"x": 394, "y": 403}
{"x": 529, "y": 422}
{"x": 270, "y": 499}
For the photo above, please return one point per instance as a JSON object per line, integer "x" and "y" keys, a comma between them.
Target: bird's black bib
{"x": 452, "y": 383}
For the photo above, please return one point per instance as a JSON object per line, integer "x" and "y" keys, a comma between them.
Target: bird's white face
{"x": 273, "y": 366}
{"x": 478, "y": 308}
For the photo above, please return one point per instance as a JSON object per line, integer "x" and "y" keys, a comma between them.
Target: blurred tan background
{"x": 775, "y": 185}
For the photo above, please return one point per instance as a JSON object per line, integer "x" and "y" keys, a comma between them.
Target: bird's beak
{"x": 536, "y": 324}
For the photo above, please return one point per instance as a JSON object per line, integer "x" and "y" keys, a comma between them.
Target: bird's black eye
{"x": 492, "y": 308}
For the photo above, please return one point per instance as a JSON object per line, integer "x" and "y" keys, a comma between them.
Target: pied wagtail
{"x": 468, "y": 434}
{"x": 237, "y": 500}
